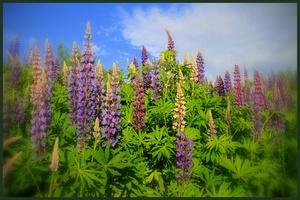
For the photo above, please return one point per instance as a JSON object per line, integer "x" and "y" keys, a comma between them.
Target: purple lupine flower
{"x": 227, "y": 81}
{"x": 111, "y": 114}
{"x": 138, "y": 121}
{"x": 238, "y": 87}
{"x": 144, "y": 56}
{"x": 219, "y": 86}
{"x": 49, "y": 62}
{"x": 100, "y": 90}
{"x": 247, "y": 86}
{"x": 155, "y": 83}
{"x": 200, "y": 67}
{"x": 18, "y": 111}
{"x": 184, "y": 147}
{"x": 171, "y": 44}
{"x": 40, "y": 111}
{"x": 86, "y": 101}
{"x": 73, "y": 91}
{"x": 13, "y": 59}
{"x": 257, "y": 122}
{"x": 259, "y": 100}
{"x": 135, "y": 62}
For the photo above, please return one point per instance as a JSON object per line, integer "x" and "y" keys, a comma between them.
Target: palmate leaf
{"x": 225, "y": 190}
{"x": 240, "y": 169}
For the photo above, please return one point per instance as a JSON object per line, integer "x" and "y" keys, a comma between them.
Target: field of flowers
{"x": 73, "y": 129}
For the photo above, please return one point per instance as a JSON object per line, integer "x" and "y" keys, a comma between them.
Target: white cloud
{"x": 98, "y": 50}
{"x": 257, "y": 35}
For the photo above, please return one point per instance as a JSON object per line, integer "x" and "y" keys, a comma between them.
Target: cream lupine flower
{"x": 54, "y": 157}
{"x": 179, "y": 111}
{"x": 180, "y": 76}
{"x": 194, "y": 74}
{"x": 96, "y": 132}
{"x": 98, "y": 70}
{"x": 211, "y": 124}
{"x": 132, "y": 70}
{"x": 65, "y": 71}
{"x": 187, "y": 60}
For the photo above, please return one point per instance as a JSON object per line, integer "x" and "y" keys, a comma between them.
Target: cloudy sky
{"x": 260, "y": 36}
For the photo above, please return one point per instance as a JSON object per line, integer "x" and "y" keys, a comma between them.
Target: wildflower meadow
{"x": 73, "y": 127}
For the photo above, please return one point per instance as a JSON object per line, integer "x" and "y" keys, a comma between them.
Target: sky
{"x": 254, "y": 35}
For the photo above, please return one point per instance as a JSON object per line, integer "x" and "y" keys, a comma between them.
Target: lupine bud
{"x": 228, "y": 116}
{"x": 227, "y": 81}
{"x": 75, "y": 54}
{"x": 211, "y": 124}
{"x": 179, "y": 110}
{"x": 238, "y": 87}
{"x": 200, "y": 67}
{"x": 247, "y": 86}
{"x": 111, "y": 115}
{"x": 180, "y": 76}
{"x": 219, "y": 86}
{"x": 184, "y": 148}
{"x": 65, "y": 73}
{"x": 138, "y": 121}
{"x": 259, "y": 100}
{"x": 171, "y": 44}
{"x": 54, "y": 157}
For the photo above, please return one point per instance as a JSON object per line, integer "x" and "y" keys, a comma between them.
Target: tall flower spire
{"x": 155, "y": 83}
{"x": 52, "y": 69}
{"x": 211, "y": 124}
{"x": 200, "y": 67}
{"x": 111, "y": 114}
{"x": 194, "y": 74}
{"x": 75, "y": 54}
{"x": 135, "y": 62}
{"x": 227, "y": 81}
{"x": 179, "y": 111}
{"x": 144, "y": 56}
{"x": 100, "y": 89}
{"x": 40, "y": 112}
{"x": 138, "y": 121}
{"x": 219, "y": 86}
{"x": 259, "y": 101}
{"x": 247, "y": 86}
{"x": 171, "y": 44}
{"x": 238, "y": 87}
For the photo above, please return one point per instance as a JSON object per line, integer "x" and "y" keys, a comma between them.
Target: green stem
{"x": 34, "y": 181}
{"x": 50, "y": 187}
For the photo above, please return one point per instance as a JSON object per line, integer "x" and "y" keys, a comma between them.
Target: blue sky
{"x": 260, "y": 36}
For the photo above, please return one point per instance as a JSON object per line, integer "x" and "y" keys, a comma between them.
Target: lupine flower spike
{"x": 211, "y": 124}
{"x": 179, "y": 110}
{"x": 138, "y": 121}
{"x": 247, "y": 91}
{"x": 55, "y": 157}
{"x": 100, "y": 89}
{"x": 259, "y": 101}
{"x": 200, "y": 67}
{"x": 219, "y": 86}
{"x": 227, "y": 82}
{"x": 194, "y": 74}
{"x": 171, "y": 44}
{"x": 239, "y": 101}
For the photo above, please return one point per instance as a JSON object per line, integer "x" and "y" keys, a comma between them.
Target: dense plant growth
{"x": 74, "y": 128}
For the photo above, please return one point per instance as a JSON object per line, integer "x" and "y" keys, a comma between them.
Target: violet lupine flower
{"x": 14, "y": 62}
{"x": 49, "y": 62}
{"x": 247, "y": 87}
{"x": 135, "y": 62}
{"x": 219, "y": 86}
{"x": 18, "y": 111}
{"x": 144, "y": 56}
{"x": 73, "y": 90}
{"x": 87, "y": 91}
{"x": 184, "y": 147}
{"x": 171, "y": 44}
{"x": 111, "y": 115}
{"x": 138, "y": 121}
{"x": 40, "y": 112}
{"x": 200, "y": 67}
{"x": 100, "y": 90}
{"x": 259, "y": 101}
{"x": 227, "y": 81}
{"x": 257, "y": 122}
{"x": 238, "y": 87}
{"x": 155, "y": 84}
